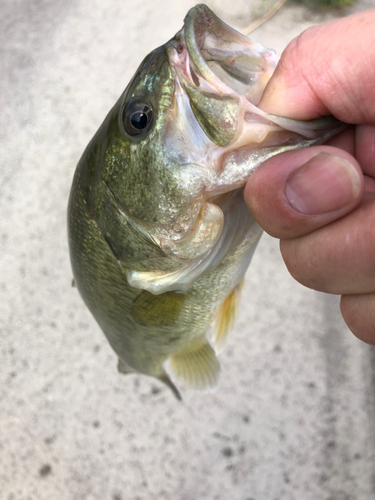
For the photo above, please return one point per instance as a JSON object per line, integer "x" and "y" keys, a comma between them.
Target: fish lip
{"x": 199, "y": 20}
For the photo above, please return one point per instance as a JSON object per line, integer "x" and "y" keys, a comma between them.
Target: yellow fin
{"x": 197, "y": 366}
{"x": 225, "y": 318}
{"x": 155, "y": 310}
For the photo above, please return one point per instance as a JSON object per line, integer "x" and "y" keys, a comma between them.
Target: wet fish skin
{"x": 160, "y": 236}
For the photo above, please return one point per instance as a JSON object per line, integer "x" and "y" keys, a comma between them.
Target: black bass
{"x": 160, "y": 236}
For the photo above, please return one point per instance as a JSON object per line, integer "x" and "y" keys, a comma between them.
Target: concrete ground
{"x": 293, "y": 416}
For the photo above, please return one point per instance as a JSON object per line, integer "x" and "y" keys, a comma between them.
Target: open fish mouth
{"x": 224, "y": 74}
{"x": 225, "y": 59}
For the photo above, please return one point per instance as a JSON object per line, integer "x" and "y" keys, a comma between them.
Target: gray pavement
{"x": 293, "y": 416}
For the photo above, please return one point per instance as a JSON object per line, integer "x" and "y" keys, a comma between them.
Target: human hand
{"x": 320, "y": 201}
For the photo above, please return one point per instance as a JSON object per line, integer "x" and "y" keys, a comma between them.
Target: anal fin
{"x": 197, "y": 366}
{"x": 225, "y": 318}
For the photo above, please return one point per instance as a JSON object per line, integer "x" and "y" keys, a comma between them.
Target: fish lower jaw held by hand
{"x": 160, "y": 236}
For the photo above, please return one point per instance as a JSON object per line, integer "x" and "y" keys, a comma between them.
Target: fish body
{"x": 160, "y": 236}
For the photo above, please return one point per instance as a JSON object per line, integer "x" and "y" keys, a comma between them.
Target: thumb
{"x": 296, "y": 192}
{"x": 328, "y": 69}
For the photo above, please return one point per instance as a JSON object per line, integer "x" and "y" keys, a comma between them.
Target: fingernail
{"x": 323, "y": 184}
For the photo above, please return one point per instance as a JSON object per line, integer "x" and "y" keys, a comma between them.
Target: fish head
{"x": 186, "y": 132}
{"x": 182, "y": 112}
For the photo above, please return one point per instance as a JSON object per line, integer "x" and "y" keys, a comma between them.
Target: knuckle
{"x": 302, "y": 264}
{"x": 358, "y": 313}
{"x": 292, "y": 257}
{"x": 298, "y": 50}
{"x": 289, "y": 57}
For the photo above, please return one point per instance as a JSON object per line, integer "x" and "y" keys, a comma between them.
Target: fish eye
{"x": 137, "y": 117}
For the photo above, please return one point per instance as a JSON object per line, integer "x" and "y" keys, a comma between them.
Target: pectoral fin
{"x": 197, "y": 366}
{"x": 156, "y": 310}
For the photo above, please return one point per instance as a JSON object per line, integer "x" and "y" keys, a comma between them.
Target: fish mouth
{"x": 225, "y": 59}
{"x": 224, "y": 74}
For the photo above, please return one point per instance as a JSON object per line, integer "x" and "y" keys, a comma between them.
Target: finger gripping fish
{"x": 160, "y": 236}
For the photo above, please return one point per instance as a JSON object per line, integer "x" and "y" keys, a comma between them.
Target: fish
{"x": 159, "y": 233}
